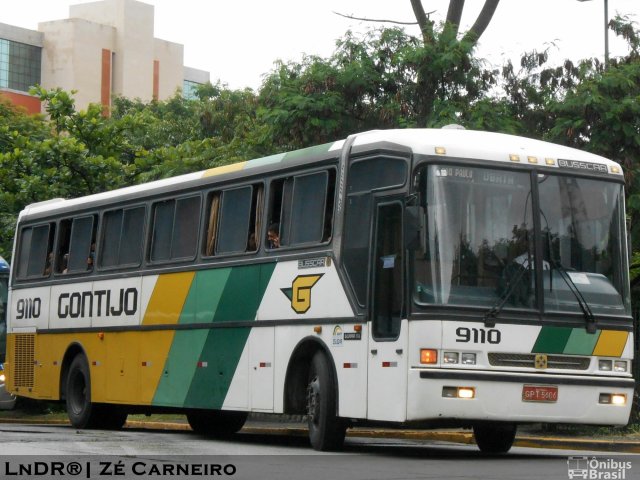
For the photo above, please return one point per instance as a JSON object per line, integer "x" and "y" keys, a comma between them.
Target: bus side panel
{"x": 310, "y": 292}
{"x": 208, "y": 367}
{"x": 29, "y": 309}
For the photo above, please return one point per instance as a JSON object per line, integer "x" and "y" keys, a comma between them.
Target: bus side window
{"x": 174, "y": 233}
{"x": 76, "y": 245}
{"x": 276, "y": 215}
{"x": 34, "y": 251}
{"x": 308, "y": 208}
{"x": 212, "y": 223}
{"x": 122, "y": 236}
{"x": 234, "y": 220}
{"x": 364, "y": 177}
{"x": 302, "y": 208}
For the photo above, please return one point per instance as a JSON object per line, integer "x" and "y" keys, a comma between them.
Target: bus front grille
{"x": 528, "y": 360}
{"x": 24, "y": 360}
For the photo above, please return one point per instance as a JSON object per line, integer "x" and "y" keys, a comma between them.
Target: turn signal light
{"x": 428, "y": 356}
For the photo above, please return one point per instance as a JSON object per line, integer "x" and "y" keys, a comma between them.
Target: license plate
{"x": 536, "y": 393}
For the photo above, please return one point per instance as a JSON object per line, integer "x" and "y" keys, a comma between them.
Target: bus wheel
{"x": 216, "y": 423}
{"x": 326, "y": 429}
{"x": 82, "y": 413}
{"x": 494, "y": 438}
{"x": 111, "y": 418}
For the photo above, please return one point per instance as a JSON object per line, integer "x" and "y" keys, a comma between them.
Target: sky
{"x": 239, "y": 41}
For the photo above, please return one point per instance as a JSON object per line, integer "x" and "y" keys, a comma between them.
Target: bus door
{"x": 388, "y": 339}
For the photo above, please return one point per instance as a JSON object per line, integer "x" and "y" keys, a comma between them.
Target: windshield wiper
{"x": 584, "y": 306}
{"x": 491, "y": 315}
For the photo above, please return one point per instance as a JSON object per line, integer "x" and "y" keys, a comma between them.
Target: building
{"x": 103, "y": 49}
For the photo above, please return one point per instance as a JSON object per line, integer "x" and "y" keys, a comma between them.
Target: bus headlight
{"x": 468, "y": 358}
{"x": 604, "y": 365}
{"x": 620, "y": 366}
{"x": 450, "y": 357}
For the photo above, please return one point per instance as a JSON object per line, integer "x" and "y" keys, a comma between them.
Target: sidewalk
{"x": 295, "y": 428}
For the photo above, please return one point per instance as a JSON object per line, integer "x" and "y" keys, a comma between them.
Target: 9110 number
{"x": 478, "y": 335}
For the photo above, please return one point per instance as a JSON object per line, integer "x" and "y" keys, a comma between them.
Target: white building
{"x": 103, "y": 49}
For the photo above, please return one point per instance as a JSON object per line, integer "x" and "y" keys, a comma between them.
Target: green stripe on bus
{"x": 239, "y": 301}
{"x": 552, "y": 340}
{"x": 199, "y": 307}
{"x": 259, "y": 162}
{"x": 308, "y": 152}
{"x": 581, "y": 342}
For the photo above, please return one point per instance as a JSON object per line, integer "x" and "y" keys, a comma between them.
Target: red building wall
{"x": 31, "y": 104}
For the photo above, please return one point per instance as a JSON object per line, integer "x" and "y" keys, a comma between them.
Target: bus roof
{"x": 446, "y": 142}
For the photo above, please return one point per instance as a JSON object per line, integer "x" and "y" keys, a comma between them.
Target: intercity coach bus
{"x": 422, "y": 278}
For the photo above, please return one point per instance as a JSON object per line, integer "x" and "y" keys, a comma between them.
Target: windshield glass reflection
{"x": 480, "y": 238}
{"x": 582, "y": 222}
{"x": 479, "y": 246}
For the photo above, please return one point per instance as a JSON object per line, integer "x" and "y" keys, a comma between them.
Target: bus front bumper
{"x": 518, "y": 397}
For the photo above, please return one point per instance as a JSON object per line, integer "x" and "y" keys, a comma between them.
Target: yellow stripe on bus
{"x": 167, "y": 300}
{"x": 611, "y": 343}
{"x": 166, "y": 304}
{"x": 234, "y": 167}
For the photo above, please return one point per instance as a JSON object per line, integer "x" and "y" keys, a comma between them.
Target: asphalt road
{"x": 152, "y": 453}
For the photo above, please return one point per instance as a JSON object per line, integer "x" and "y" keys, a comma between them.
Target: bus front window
{"x": 479, "y": 247}
{"x": 582, "y": 224}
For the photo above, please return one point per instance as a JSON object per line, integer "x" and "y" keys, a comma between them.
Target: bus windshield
{"x": 480, "y": 250}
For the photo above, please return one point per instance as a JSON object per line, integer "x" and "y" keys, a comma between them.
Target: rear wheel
{"x": 216, "y": 423}
{"x": 82, "y": 413}
{"x": 326, "y": 429}
{"x": 111, "y": 417}
{"x": 494, "y": 438}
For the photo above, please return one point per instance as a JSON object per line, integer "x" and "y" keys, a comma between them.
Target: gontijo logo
{"x": 300, "y": 292}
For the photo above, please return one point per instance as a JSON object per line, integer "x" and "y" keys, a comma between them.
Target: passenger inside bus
{"x": 273, "y": 235}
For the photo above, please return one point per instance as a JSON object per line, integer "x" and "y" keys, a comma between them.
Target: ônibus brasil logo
{"x": 598, "y": 468}
{"x": 300, "y": 292}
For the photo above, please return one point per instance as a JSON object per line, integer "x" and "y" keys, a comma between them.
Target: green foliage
{"x": 385, "y": 79}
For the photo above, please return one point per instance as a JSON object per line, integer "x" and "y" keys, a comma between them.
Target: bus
{"x": 422, "y": 278}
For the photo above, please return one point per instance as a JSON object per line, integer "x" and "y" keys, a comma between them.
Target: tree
{"x": 445, "y": 69}
{"x": 71, "y": 154}
{"x": 452, "y": 22}
{"x": 383, "y": 79}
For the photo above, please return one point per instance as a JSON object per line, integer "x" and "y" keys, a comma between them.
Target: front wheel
{"x": 326, "y": 429}
{"x": 494, "y": 438}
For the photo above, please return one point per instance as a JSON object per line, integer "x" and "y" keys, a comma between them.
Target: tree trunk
{"x": 425, "y": 24}
{"x": 454, "y": 14}
{"x": 482, "y": 22}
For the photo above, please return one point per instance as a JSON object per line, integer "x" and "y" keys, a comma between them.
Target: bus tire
{"x": 326, "y": 429}
{"x": 82, "y": 413}
{"x": 494, "y": 438}
{"x": 111, "y": 417}
{"x": 216, "y": 423}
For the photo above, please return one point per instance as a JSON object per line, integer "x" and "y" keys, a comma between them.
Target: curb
{"x": 465, "y": 438}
